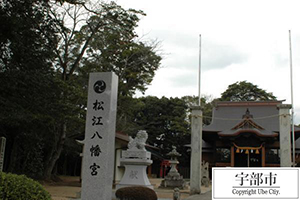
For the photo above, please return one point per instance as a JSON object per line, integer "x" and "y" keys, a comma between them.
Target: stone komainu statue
{"x": 139, "y": 142}
{"x": 205, "y": 174}
{"x": 176, "y": 194}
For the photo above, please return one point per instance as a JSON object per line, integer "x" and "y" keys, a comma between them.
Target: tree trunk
{"x": 65, "y": 166}
{"x": 13, "y": 156}
{"x": 75, "y": 167}
{"x": 55, "y": 154}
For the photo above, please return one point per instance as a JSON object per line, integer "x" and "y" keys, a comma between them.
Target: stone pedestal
{"x": 135, "y": 173}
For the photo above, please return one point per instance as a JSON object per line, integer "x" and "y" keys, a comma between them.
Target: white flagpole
{"x": 292, "y": 100}
{"x": 199, "y": 78}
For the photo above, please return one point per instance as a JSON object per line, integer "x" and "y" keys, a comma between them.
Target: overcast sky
{"x": 241, "y": 40}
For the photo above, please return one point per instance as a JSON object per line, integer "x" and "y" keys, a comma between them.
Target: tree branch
{"x": 79, "y": 57}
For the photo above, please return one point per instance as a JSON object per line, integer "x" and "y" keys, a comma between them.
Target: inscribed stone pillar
{"x": 196, "y": 154}
{"x": 99, "y": 142}
{"x": 285, "y": 134}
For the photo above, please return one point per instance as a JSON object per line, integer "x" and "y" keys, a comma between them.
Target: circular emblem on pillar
{"x": 99, "y": 86}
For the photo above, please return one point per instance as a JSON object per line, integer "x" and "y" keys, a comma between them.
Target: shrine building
{"x": 245, "y": 134}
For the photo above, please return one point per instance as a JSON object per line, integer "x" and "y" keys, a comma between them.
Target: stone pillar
{"x": 99, "y": 142}
{"x": 285, "y": 134}
{"x": 196, "y": 147}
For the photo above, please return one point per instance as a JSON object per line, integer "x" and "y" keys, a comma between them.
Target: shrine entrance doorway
{"x": 248, "y": 151}
{"x": 247, "y": 159}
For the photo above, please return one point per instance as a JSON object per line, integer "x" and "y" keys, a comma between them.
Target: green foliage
{"x": 104, "y": 42}
{"x": 206, "y": 105}
{"x": 245, "y": 91}
{"x": 166, "y": 122}
{"x": 30, "y": 151}
{"x": 29, "y": 96}
{"x": 134, "y": 63}
{"x": 129, "y": 109}
{"x": 27, "y": 35}
{"x": 44, "y": 67}
{"x": 19, "y": 187}
{"x": 136, "y": 193}
{"x": 113, "y": 47}
{"x": 25, "y": 67}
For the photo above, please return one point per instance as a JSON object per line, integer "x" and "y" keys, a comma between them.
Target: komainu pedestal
{"x": 136, "y": 159}
{"x": 173, "y": 179}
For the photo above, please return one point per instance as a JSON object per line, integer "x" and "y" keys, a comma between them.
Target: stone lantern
{"x": 173, "y": 179}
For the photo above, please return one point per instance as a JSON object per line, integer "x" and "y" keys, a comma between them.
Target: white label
{"x": 255, "y": 183}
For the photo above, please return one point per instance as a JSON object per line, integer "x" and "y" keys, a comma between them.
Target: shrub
{"x": 136, "y": 193}
{"x": 19, "y": 187}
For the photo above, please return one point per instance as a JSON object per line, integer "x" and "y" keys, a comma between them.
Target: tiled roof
{"x": 227, "y": 115}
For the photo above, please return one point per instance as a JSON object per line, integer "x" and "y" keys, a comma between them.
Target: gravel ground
{"x": 69, "y": 188}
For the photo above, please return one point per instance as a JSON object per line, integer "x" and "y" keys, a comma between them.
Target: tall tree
{"x": 246, "y": 91}
{"x": 27, "y": 42}
{"x": 46, "y": 54}
{"x": 98, "y": 39}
